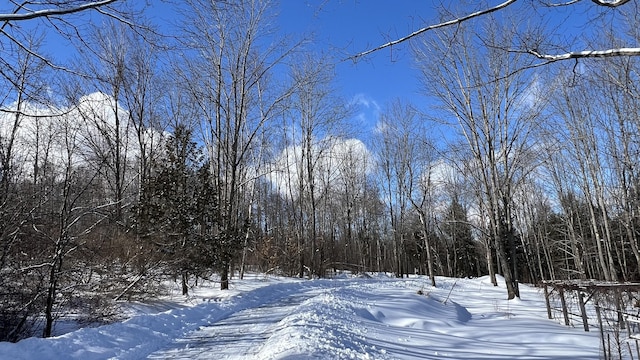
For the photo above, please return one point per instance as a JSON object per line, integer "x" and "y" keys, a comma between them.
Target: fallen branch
{"x": 450, "y": 291}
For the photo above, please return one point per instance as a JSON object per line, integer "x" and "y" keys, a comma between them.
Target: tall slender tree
{"x": 491, "y": 105}
{"x": 228, "y": 79}
{"x": 315, "y": 118}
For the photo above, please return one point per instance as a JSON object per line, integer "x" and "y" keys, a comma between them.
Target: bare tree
{"x": 584, "y": 149}
{"x": 407, "y": 155}
{"x": 495, "y": 112}
{"x": 394, "y": 154}
{"x": 618, "y": 120}
{"x": 18, "y": 18}
{"x": 69, "y": 216}
{"x": 349, "y": 196}
{"x": 229, "y": 84}
{"x": 123, "y": 109}
{"x": 315, "y": 118}
{"x": 20, "y": 161}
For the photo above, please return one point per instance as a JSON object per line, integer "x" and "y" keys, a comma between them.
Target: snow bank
{"x": 137, "y": 337}
{"x": 355, "y": 318}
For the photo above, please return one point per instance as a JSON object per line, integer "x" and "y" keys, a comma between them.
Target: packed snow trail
{"x": 275, "y": 318}
{"x": 239, "y": 336}
{"x": 387, "y": 319}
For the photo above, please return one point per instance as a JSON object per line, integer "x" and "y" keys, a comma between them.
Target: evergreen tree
{"x": 177, "y": 208}
{"x": 457, "y": 230}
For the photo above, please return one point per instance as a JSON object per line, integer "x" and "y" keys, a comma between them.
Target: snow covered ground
{"x": 376, "y": 317}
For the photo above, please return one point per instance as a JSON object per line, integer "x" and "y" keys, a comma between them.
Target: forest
{"x": 224, "y": 148}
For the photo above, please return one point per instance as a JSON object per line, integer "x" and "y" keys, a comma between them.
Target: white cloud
{"x": 367, "y": 109}
{"x": 534, "y": 95}
{"x": 366, "y": 101}
{"x": 337, "y": 161}
{"x": 74, "y": 135}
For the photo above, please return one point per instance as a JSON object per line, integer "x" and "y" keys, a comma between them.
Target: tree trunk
{"x": 427, "y": 245}
{"x": 185, "y": 287}
{"x": 490, "y": 268}
{"x": 224, "y": 276}
{"x": 51, "y": 294}
{"x": 511, "y": 284}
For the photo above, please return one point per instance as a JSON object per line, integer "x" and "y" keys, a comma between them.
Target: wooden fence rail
{"x": 614, "y": 305}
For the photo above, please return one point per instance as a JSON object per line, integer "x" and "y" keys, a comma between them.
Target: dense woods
{"x": 227, "y": 149}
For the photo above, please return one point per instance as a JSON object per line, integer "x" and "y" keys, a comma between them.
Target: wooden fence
{"x": 615, "y": 306}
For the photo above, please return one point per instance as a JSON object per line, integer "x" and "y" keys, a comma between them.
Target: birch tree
{"x": 584, "y": 150}
{"x": 395, "y": 153}
{"x": 409, "y": 156}
{"x": 350, "y": 196}
{"x": 494, "y": 115}
{"x": 618, "y": 78}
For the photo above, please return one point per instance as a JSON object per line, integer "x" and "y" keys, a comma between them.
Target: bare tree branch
{"x": 433, "y": 27}
{"x": 53, "y": 11}
{"x": 582, "y": 54}
{"x": 37, "y": 55}
{"x": 606, "y": 3}
{"x": 635, "y": 51}
{"x": 52, "y": 114}
{"x": 570, "y": 2}
{"x": 610, "y": 3}
{"x": 116, "y": 17}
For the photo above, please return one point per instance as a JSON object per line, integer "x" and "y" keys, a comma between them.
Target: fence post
{"x": 583, "y": 311}
{"x": 599, "y": 315}
{"x": 546, "y": 298}
{"x": 619, "y": 307}
{"x": 565, "y": 312}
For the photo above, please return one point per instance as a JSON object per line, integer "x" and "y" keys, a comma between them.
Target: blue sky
{"x": 346, "y": 27}
{"x": 349, "y": 26}
{"x": 339, "y": 27}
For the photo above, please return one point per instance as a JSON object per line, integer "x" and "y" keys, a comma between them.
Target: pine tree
{"x": 177, "y": 208}
{"x": 457, "y": 230}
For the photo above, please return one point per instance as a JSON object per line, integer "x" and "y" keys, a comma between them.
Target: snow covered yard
{"x": 375, "y": 317}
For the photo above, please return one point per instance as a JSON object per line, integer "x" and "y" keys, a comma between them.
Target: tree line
{"x": 227, "y": 149}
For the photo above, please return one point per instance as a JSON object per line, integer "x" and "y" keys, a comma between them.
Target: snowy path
{"x": 378, "y": 317}
{"x": 240, "y": 335}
